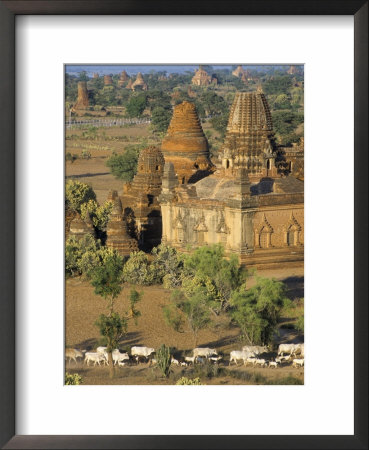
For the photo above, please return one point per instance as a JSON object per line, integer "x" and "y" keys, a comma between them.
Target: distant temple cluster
{"x": 251, "y": 200}
{"x": 202, "y": 78}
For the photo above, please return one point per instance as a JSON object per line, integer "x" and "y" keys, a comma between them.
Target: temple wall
{"x": 239, "y": 231}
{"x": 277, "y": 222}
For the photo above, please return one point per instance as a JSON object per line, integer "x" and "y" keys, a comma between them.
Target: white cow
{"x": 260, "y": 362}
{"x": 119, "y": 357}
{"x": 256, "y": 349}
{"x": 96, "y": 358}
{"x": 250, "y": 360}
{"x": 286, "y": 348}
{"x": 190, "y": 359}
{"x": 142, "y": 351}
{"x": 298, "y": 362}
{"x": 237, "y": 355}
{"x": 299, "y": 349}
{"x": 205, "y": 352}
{"x": 174, "y": 361}
{"x": 73, "y": 353}
{"x": 273, "y": 364}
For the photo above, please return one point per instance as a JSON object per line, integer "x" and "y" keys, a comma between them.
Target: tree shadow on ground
{"x": 295, "y": 287}
{"x": 223, "y": 342}
{"x": 88, "y": 344}
{"x": 87, "y": 175}
{"x": 130, "y": 339}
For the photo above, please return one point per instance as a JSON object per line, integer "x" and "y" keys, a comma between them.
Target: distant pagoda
{"x": 201, "y": 78}
{"x": 123, "y": 78}
{"x": 82, "y": 98}
{"x": 139, "y": 83}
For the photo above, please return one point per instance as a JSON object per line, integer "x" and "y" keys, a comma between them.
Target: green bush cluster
{"x": 184, "y": 381}
{"x": 77, "y": 193}
{"x": 82, "y": 255}
{"x": 73, "y": 379}
{"x": 98, "y": 214}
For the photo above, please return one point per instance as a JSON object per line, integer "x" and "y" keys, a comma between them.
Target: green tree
{"x": 124, "y": 166}
{"x": 134, "y": 298}
{"x": 282, "y": 101}
{"x": 112, "y": 327}
{"x": 219, "y": 123}
{"x": 77, "y": 193}
{"x": 136, "y": 105}
{"x": 107, "y": 281}
{"x": 257, "y": 310}
{"x": 83, "y": 76}
{"x": 208, "y": 267}
{"x": 194, "y": 309}
{"x": 160, "y": 118}
{"x": 277, "y": 85}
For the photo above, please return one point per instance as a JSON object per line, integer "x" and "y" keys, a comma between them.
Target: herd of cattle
{"x": 250, "y": 354}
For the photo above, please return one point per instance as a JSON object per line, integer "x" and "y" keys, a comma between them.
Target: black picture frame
{"x": 8, "y": 12}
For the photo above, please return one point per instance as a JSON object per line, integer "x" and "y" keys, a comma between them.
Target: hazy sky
{"x": 133, "y": 69}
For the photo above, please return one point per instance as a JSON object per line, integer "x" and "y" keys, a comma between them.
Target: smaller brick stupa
{"x": 123, "y": 78}
{"x": 108, "y": 80}
{"x": 141, "y": 196}
{"x": 139, "y": 83}
{"x": 82, "y": 98}
{"x": 186, "y": 146}
{"x": 117, "y": 236}
{"x": 79, "y": 227}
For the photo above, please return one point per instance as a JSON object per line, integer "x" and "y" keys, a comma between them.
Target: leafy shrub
{"x": 167, "y": 266}
{"x": 99, "y": 214}
{"x": 137, "y": 269}
{"x": 184, "y": 381}
{"x": 71, "y": 158}
{"x": 300, "y": 323}
{"x": 86, "y": 154}
{"x": 163, "y": 359}
{"x": 73, "y": 379}
{"x": 77, "y": 193}
{"x": 82, "y": 255}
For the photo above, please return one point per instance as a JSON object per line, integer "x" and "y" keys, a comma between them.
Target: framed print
{"x": 157, "y": 157}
